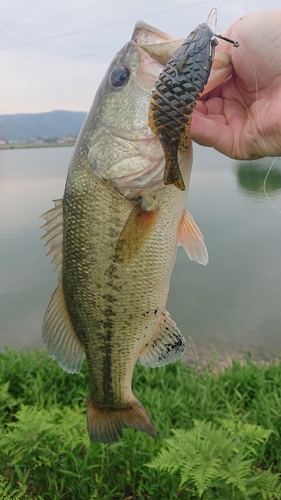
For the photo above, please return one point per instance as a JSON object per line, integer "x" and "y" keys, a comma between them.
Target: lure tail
{"x": 172, "y": 173}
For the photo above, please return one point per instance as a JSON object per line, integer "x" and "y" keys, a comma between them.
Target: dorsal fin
{"x": 54, "y": 231}
{"x": 59, "y": 335}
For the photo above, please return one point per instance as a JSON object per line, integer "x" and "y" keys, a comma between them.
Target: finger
{"x": 212, "y": 133}
{"x": 212, "y": 106}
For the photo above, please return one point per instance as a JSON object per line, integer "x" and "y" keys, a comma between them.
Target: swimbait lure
{"x": 176, "y": 91}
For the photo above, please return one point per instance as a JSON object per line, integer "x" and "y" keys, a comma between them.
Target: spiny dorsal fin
{"x": 166, "y": 346}
{"x": 192, "y": 240}
{"x": 59, "y": 336}
{"x": 53, "y": 236}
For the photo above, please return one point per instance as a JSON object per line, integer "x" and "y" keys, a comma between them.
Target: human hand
{"x": 241, "y": 118}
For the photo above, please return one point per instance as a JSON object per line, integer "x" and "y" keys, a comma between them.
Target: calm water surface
{"x": 229, "y": 307}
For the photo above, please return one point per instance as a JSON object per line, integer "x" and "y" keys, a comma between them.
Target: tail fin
{"x": 106, "y": 426}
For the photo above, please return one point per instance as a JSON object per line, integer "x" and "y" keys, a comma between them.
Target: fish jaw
{"x": 146, "y": 34}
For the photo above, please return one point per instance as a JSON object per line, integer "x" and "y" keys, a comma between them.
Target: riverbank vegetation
{"x": 219, "y": 434}
{"x": 32, "y": 145}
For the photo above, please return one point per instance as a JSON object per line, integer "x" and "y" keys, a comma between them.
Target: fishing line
{"x": 264, "y": 185}
{"x": 214, "y": 14}
{"x": 63, "y": 14}
{"x": 111, "y": 23}
{"x": 261, "y": 130}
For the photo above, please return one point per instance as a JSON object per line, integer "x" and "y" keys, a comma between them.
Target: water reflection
{"x": 230, "y": 306}
{"x": 29, "y": 180}
{"x": 251, "y": 176}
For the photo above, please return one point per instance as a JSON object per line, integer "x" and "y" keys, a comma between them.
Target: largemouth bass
{"x": 113, "y": 238}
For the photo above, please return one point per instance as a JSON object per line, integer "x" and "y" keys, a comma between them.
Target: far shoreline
{"x": 26, "y": 145}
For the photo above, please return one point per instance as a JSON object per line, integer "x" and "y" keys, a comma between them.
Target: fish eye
{"x": 119, "y": 76}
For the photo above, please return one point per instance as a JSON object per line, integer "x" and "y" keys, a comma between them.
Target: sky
{"x": 54, "y": 54}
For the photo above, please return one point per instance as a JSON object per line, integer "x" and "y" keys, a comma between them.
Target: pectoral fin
{"x": 166, "y": 346}
{"x": 138, "y": 227}
{"x": 192, "y": 240}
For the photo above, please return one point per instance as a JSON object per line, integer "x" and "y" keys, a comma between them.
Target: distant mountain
{"x": 22, "y": 127}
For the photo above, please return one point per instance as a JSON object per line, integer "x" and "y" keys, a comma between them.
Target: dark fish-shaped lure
{"x": 176, "y": 92}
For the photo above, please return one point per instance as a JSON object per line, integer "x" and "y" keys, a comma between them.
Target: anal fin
{"x": 59, "y": 336}
{"x": 166, "y": 346}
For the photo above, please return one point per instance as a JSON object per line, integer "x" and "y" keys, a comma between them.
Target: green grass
{"x": 45, "y": 452}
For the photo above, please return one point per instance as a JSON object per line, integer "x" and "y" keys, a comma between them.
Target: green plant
{"x": 6, "y": 492}
{"x": 45, "y": 453}
{"x": 219, "y": 461}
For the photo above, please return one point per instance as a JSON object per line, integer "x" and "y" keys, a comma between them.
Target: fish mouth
{"x": 154, "y": 49}
{"x": 160, "y": 47}
{"x": 145, "y": 34}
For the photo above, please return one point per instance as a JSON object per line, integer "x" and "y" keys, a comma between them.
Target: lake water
{"x": 229, "y": 307}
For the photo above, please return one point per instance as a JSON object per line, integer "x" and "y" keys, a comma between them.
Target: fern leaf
{"x": 202, "y": 473}
{"x": 250, "y": 435}
{"x": 209, "y": 457}
{"x": 6, "y": 493}
{"x": 235, "y": 473}
{"x": 265, "y": 484}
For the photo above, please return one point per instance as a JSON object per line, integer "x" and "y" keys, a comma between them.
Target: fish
{"x": 176, "y": 92}
{"x": 113, "y": 239}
